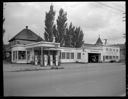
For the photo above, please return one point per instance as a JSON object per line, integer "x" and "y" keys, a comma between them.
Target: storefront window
{"x": 68, "y": 55}
{"x": 106, "y": 57}
{"x": 78, "y": 55}
{"x": 22, "y": 55}
{"x": 63, "y": 55}
{"x": 113, "y": 57}
{"x": 110, "y": 57}
{"x": 72, "y": 55}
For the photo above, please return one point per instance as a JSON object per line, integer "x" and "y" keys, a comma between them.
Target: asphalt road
{"x": 99, "y": 79}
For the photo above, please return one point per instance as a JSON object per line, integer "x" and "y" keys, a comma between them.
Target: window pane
{"x": 106, "y": 57}
{"x": 22, "y": 54}
{"x": 63, "y": 55}
{"x": 72, "y": 55}
{"x": 78, "y": 55}
{"x": 68, "y": 55}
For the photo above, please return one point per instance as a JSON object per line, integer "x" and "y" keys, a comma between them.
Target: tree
{"x": 78, "y": 38}
{"x": 49, "y": 22}
{"x": 69, "y": 35}
{"x": 55, "y": 33}
{"x": 61, "y": 26}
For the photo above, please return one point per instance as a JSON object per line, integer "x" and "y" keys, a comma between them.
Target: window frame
{"x": 68, "y": 55}
{"x": 72, "y": 55}
{"x": 78, "y": 55}
{"x": 63, "y": 55}
{"x": 23, "y": 57}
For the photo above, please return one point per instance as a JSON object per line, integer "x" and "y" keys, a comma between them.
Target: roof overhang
{"x": 43, "y": 44}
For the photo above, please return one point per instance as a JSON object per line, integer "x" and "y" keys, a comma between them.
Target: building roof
{"x": 89, "y": 45}
{"x": 99, "y": 41}
{"x": 27, "y": 34}
{"x": 122, "y": 46}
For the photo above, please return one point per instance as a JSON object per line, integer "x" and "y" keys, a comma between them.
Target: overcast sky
{"x": 94, "y": 18}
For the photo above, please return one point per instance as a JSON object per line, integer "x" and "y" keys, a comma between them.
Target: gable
{"x": 27, "y": 34}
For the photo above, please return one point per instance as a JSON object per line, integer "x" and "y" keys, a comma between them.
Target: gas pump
{"x": 51, "y": 60}
{"x": 56, "y": 60}
{"x": 36, "y": 60}
{"x": 45, "y": 60}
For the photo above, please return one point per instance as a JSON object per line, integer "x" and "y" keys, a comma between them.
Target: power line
{"x": 111, "y": 7}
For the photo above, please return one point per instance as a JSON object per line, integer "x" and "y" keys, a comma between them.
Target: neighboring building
{"x": 27, "y": 47}
{"x": 122, "y": 51}
{"x": 25, "y": 36}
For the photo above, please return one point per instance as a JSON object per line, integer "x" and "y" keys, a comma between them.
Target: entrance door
{"x": 93, "y": 57}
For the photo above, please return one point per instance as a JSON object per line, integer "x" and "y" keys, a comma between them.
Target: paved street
{"x": 94, "y": 79}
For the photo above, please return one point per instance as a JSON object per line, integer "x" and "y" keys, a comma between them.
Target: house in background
{"x": 26, "y": 36}
{"x": 122, "y": 51}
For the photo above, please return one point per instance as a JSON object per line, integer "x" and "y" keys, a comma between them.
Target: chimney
{"x": 26, "y": 27}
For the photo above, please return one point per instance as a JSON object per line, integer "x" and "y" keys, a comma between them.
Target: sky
{"x": 104, "y": 19}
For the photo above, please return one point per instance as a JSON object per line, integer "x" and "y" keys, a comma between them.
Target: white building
{"x": 27, "y": 47}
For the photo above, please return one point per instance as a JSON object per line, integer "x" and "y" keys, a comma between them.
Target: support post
{"x": 12, "y": 56}
{"x": 41, "y": 61}
{"x": 17, "y": 55}
{"x": 26, "y": 56}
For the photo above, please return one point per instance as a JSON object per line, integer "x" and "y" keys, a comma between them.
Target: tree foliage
{"x": 61, "y": 26}
{"x": 49, "y": 22}
{"x": 74, "y": 36}
{"x": 70, "y": 36}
